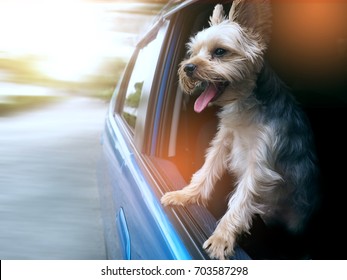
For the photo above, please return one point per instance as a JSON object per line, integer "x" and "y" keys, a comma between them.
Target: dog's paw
{"x": 219, "y": 246}
{"x": 174, "y": 198}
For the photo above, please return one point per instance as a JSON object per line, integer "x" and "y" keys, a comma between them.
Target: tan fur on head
{"x": 243, "y": 38}
{"x": 254, "y": 15}
{"x": 218, "y": 15}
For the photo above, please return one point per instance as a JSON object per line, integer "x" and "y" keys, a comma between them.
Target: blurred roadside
{"x": 60, "y": 61}
{"x": 65, "y": 48}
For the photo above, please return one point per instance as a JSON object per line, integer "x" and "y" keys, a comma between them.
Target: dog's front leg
{"x": 203, "y": 181}
{"x": 258, "y": 179}
{"x": 241, "y": 208}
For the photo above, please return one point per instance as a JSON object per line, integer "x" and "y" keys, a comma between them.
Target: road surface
{"x": 49, "y": 203}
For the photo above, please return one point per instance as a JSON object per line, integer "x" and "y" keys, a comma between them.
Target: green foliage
{"x": 23, "y": 70}
{"x": 19, "y": 103}
{"x": 130, "y": 119}
{"x": 133, "y": 99}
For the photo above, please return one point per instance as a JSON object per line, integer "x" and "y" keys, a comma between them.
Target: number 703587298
{"x": 224, "y": 270}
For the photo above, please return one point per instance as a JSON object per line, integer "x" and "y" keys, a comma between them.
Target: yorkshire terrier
{"x": 264, "y": 139}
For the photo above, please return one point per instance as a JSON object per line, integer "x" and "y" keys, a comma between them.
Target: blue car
{"x": 153, "y": 142}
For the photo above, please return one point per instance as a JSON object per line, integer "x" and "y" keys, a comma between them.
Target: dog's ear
{"x": 218, "y": 15}
{"x": 252, "y": 14}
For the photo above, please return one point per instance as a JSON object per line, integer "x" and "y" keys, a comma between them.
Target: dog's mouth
{"x": 209, "y": 92}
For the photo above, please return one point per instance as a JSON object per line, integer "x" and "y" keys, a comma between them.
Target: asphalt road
{"x": 49, "y": 203}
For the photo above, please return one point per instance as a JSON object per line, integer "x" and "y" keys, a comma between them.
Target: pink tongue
{"x": 205, "y": 98}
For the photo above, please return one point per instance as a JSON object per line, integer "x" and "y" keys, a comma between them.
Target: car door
{"x": 137, "y": 228}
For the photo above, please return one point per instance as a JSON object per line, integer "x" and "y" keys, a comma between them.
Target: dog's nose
{"x": 189, "y": 69}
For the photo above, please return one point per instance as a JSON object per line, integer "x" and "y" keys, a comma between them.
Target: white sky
{"x": 71, "y": 35}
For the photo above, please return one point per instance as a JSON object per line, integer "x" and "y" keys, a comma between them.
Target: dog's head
{"x": 228, "y": 53}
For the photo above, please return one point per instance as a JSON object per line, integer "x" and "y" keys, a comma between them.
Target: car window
{"x": 139, "y": 83}
{"x": 180, "y": 139}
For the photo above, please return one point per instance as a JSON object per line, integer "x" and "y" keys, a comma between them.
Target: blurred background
{"x": 60, "y": 61}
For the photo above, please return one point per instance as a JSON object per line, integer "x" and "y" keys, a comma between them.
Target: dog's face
{"x": 227, "y": 54}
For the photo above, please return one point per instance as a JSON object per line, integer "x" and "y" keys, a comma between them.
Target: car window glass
{"x": 142, "y": 75}
{"x": 141, "y": 80}
{"x": 134, "y": 90}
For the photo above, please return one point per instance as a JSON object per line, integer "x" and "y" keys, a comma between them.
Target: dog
{"x": 264, "y": 139}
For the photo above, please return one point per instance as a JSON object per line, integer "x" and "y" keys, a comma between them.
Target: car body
{"x": 153, "y": 142}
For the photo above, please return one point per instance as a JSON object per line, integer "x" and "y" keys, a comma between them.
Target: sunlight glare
{"x": 68, "y": 35}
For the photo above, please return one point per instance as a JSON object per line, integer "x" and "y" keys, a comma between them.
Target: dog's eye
{"x": 219, "y": 52}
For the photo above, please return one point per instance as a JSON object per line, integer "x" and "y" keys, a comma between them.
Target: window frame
{"x": 141, "y": 134}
